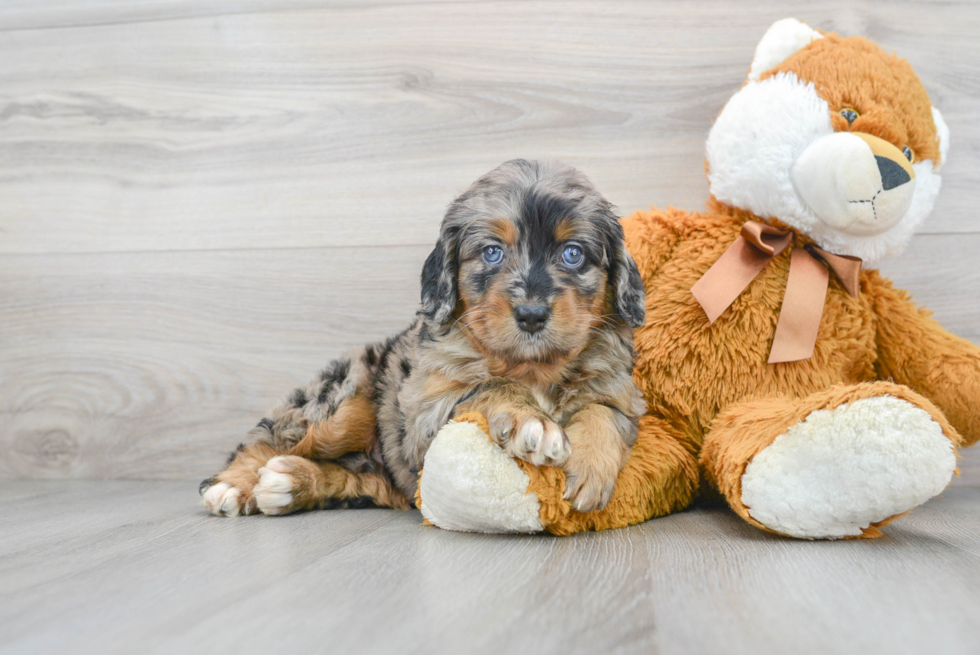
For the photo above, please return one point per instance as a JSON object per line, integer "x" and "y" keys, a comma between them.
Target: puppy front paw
{"x": 531, "y": 435}
{"x": 590, "y": 481}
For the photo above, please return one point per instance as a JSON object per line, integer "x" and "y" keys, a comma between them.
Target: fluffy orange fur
{"x": 710, "y": 382}
{"x": 854, "y": 73}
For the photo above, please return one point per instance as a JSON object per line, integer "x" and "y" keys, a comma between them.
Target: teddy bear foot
{"x": 841, "y": 471}
{"x": 472, "y": 485}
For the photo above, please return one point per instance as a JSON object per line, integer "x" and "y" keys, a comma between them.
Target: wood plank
{"x": 322, "y": 125}
{"x": 940, "y": 272}
{"x": 155, "y": 364}
{"x": 61, "y": 14}
{"x": 135, "y": 566}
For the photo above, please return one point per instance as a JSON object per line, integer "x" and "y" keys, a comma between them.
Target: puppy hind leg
{"x": 307, "y": 412}
{"x": 229, "y": 493}
{"x": 291, "y": 483}
{"x": 351, "y": 428}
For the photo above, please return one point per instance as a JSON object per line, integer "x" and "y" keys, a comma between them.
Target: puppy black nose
{"x": 531, "y": 318}
{"x": 892, "y": 173}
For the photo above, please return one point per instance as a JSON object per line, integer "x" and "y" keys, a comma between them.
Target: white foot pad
{"x": 840, "y": 470}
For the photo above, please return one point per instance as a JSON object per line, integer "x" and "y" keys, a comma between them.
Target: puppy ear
{"x": 625, "y": 281}
{"x": 439, "y": 281}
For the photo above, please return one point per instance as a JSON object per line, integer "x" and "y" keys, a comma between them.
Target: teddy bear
{"x": 781, "y": 370}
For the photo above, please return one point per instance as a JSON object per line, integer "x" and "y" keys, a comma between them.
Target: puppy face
{"x": 529, "y": 260}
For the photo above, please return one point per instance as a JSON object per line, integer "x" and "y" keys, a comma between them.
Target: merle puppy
{"x": 529, "y": 301}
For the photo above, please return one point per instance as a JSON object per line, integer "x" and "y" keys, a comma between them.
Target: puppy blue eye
{"x": 572, "y": 256}
{"x": 493, "y": 254}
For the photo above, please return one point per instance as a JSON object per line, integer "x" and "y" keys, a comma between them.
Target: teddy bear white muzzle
{"x": 854, "y": 182}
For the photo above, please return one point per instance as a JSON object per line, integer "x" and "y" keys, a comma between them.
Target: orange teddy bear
{"x": 779, "y": 368}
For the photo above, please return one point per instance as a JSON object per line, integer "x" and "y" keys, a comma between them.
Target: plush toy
{"x": 781, "y": 370}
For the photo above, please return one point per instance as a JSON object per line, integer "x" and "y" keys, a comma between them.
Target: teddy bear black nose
{"x": 892, "y": 173}
{"x": 531, "y": 318}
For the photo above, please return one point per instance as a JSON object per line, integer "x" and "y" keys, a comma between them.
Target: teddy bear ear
{"x": 784, "y": 38}
{"x": 942, "y": 135}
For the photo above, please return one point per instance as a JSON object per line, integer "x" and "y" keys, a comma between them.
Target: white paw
{"x": 222, "y": 499}
{"x": 541, "y": 442}
{"x": 273, "y": 493}
{"x": 537, "y": 440}
{"x": 840, "y": 470}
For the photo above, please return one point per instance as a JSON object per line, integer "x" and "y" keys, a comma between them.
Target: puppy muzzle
{"x": 855, "y": 182}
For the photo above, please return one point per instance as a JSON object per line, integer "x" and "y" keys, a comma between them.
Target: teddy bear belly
{"x": 690, "y": 370}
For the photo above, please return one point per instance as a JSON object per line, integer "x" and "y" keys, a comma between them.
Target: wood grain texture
{"x": 190, "y": 126}
{"x": 128, "y": 365}
{"x": 121, "y": 567}
{"x": 203, "y": 202}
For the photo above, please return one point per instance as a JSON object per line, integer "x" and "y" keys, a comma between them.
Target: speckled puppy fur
{"x": 529, "y": 301}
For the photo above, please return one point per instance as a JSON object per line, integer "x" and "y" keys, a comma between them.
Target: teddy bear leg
{"x": 837, "y": 464}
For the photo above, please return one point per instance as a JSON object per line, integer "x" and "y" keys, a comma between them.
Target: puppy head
{"x": 529, "y": 260}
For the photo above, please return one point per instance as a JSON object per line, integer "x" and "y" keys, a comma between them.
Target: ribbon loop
{"x": 770, "y": 240}
{"x": 846, "y": 267}
{"x": 806, "y": 287}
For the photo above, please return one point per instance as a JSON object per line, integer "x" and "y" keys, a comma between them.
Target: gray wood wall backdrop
{"x": 201, "y": 202}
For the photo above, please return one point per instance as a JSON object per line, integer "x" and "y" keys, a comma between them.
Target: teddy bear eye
{"x": 908, "y": 154}
{"x": 849, "y": 115}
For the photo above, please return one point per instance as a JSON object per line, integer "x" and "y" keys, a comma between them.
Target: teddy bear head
{"x": 832, "y": 137}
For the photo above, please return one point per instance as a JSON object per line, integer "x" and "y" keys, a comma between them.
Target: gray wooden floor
{"x": 203, "y": 202}
{"x": 127, "y": 566}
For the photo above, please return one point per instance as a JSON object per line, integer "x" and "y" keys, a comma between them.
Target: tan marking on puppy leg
{"x": 290, "y": 483}
{"x": 598, "y": 455}
{"x": 352, "y": 428}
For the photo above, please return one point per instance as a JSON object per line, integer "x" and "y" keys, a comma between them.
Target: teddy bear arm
{"x": 915, "y": 350}
{"x": 651, "y": 236}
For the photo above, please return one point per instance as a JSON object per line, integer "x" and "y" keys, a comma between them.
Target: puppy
{"x": 529, "y": 301}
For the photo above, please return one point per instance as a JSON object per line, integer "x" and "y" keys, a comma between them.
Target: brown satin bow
{"x": 806, "y": 288}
